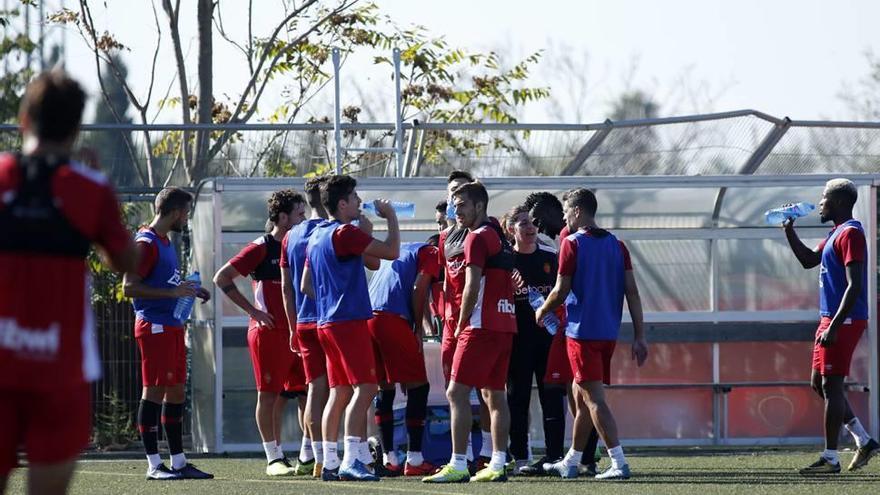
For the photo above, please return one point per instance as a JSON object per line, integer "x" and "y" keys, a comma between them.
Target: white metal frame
{"x": 709, "y": 233}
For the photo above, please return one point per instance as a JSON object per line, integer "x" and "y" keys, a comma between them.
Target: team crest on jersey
{"x": 175, "y": 279}
{"x": 546, "y": 267}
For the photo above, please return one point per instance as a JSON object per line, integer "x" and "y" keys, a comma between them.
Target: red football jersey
{"x": 262, "y": 261}
{"x": 451, "y": 253}
{"x": 495, "y": 309}
{"x": 47, "y": 334}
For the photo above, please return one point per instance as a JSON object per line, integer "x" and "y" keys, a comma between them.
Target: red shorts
{"x": 347, "y": 345}
{"x": 399, "y": 357}
{"x": 271, "y": 356}
{"x": 163, "y": 354}
{"x": 558, "y": 370}
{"x": 835, "y": 360}
{"x": 53, "y": 426}
{"x": 590, "y": 360}
{"x": 447, "y": 347}
{"x": 482, "y": 358}
{"x": 313, "y": 358}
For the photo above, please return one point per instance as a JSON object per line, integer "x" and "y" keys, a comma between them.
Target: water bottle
{"x": 778, "y": 215}
{"x": 450, "y": 209}
{"x": 404, "y": 209}
{"x": 185, "y": 304}
{"x": 551, "y": 321}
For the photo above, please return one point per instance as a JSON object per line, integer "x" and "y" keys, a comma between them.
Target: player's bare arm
{"x": 225, "y": 280}
{"x": 419, "y": 302}
{"x": 289, "y": 298}
{"x": 634, "y": 303}
{"x": 555, "y": 299}
{"x": 473, "y": 274}
{"x": 389, "y": 249}
{"x": 809, "y": 258}
{"x": 133, "y": 286}
{"x": 850, "y": 296}
{"x": 306, "y": 283}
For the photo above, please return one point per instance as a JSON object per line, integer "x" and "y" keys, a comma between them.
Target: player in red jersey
{"x": 843, "y": 311}
{"x": 155, "y": 286}
{"x": 302, "y": 317}
{"x": 484, "y": 334}
{"x": 595, "y": 277}
{"x": 451, "y": 252}
{"x": 278, "y": 372}
{"x": 53, "y": 210}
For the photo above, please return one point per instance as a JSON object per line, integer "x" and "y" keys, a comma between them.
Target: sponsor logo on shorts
{"x": 37, "y": 341}
{"x": 505, "y": 306}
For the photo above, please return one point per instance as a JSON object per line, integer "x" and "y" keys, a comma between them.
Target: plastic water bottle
{"x": 403, "y": 208}
{"x": 185, "y": 304}
{"x": 778, "y": 215}
{"x": 551, "y": 321}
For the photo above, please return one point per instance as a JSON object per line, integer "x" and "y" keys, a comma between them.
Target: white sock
{"x": 617, "y": 458}
{"x": 271, "y": 449}
{"x": 470, "y": 449}
{"x": 279, "y": 452}
{"x": 331, "y": 455}
{"x": 529, "y": 446}
{"x": 364, "y": 453}
{"x": 573, "y": 457}
{"x": 306, "y": 453}
{"x": 499, "y": 459}
{"x": 831, "y": 456}
{"x": 459, "y": 462}
{"x": 178, "y": 461}
{"x": 352, "y": 447}
{"x": 486, "y": 448}
{"x": 414, "y": 458}
{"x": 154, "y": 460}
{"x": 391, "y": 458}
{"x": 858, "y": 432}
{"x": 319, "y": 451}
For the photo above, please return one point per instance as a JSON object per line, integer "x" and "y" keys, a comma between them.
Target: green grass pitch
{"x": 671, "y": 472}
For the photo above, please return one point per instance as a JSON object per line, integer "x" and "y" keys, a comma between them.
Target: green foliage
{"x": 15, "y": 47}
{"x": 107, "y": 284}
{"x": 114, "y": 428}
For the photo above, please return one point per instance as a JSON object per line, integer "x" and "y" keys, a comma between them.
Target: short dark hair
{"x": 459, "y": 174}
{"x": 54, "y": 102}
{"x": 171, "y": 199}
{"x": 516, "y": 210}
{"x": 434, "y": 240}
{"x": 337, "y": 188}
{"x": 474, "y": 191}
{"x": 282, "y": 202}
{"x": 542, "y": 198}
{"x": 546, "y": 211}
{"x": 441, "y": 206}
{"x": 313, "y": 190}
{"x": 582, "y": 198}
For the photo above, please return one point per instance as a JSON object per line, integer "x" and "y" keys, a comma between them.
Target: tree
{"x": 296, "y": 53}
{"x": 15, "y": 48}
{"x": 112, "y": 147}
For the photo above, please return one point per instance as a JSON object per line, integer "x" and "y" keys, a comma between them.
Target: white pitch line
{"x": 342, "y": 484}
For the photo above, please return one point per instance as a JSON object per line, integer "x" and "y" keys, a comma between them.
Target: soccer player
{"x": 53, "y": 211}
{"x": 399, "y": 295}
{"x": 335, "y": 278}
{"x": 440, "y": 215}
{"x": 536, "y": 267}
{"x": 155, "y": 285}
{"x": 595, "y": 268}
{"x": 302, "y": 315}
{"x": 451, "y": 252}
{"x": 484, "y": 332}
{"x": 546, "y": 212}
{"x": 843, "y": 308}
{"x": 278, "y": 371}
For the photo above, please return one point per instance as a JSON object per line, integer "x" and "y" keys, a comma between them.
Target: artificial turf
{"x": 673, "y": 472}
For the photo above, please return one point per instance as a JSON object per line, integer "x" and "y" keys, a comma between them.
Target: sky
{"x": 783, "y": 57}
